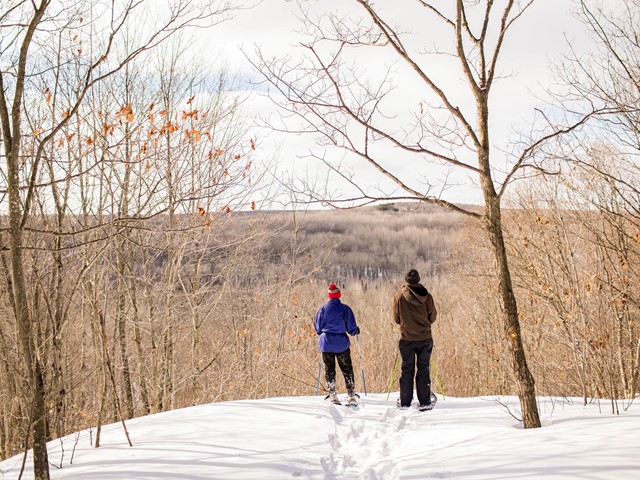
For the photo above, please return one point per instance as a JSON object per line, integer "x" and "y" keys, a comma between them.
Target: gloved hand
{"x": 357, "y": 330}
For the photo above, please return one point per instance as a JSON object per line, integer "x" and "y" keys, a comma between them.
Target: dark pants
{"x": 344, "y": 361}
{"x": 415, "y": 352}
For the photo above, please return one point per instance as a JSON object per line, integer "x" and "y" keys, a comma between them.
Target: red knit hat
{"x": 334, "y": 292}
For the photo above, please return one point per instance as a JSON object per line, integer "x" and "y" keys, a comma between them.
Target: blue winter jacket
{"x": 333, "y": 321}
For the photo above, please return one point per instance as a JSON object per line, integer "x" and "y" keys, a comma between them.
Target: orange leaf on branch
{"x": 125, "y": 112}
{"x": 195, "y": 133}
{"x": 192, "y": 114}
{"x": 169, "y": 127}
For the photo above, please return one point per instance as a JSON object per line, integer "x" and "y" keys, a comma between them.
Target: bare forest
{"x": 144, "y": 267}
{"x": 225, "y": 311}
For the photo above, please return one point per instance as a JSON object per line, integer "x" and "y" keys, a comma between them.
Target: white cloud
{"x": 537, "y": 40}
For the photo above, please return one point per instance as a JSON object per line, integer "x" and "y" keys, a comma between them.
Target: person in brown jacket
{"x": 415, "y": 312}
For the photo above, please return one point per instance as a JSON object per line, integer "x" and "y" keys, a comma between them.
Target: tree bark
{"x": 493, "y": 224}
{"x": 11, "y": 136}
{"x": 524, "y": 379}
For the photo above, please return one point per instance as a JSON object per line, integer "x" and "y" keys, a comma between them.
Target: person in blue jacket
{"x": 333, "y": 321}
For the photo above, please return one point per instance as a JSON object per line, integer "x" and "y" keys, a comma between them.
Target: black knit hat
{"x": 412, "y": 277}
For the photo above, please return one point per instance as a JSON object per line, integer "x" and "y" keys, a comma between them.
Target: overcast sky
{"x": 536, "y": 42}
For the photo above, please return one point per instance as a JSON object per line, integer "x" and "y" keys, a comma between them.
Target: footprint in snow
{"x": 364, "y": 444}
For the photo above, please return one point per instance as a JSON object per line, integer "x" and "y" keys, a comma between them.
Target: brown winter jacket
{"x": 415, "y": 311}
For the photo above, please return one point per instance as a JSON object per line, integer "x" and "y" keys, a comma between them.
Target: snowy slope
{"x": 308, "y": 438}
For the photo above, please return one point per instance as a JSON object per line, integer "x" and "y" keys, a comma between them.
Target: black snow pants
{"x": 344, "y": 361}
{"x": 415, "y": 353}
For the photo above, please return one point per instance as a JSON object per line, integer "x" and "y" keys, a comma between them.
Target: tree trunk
{"x": 493, "y": 224}
{"x": 35, "y": 378}
{"x": 524, "y": 378}
{"x": 137, "y": 339}
{"x": 23, "y": 318}
{"x": 11, "y": 138}
{"x": 121, "y": 319}
{"x": 123, "y": 266}
{"x": 39, "y": 426}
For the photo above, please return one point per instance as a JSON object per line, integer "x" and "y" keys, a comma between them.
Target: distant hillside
{"x": 368, "y": 244}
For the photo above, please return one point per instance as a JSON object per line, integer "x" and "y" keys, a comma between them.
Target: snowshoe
{"x": 429, "y": 406}
{"x": 333, "y": 398}
{"x": 352, "y": 400}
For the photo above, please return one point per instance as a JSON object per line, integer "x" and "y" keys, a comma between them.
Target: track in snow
{"x": 367, "y": 441}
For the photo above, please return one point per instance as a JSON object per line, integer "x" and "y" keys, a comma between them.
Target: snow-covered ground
{"x": 308, "y": 438}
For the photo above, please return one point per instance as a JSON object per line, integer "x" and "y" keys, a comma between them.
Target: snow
{"x": 309, "y": 438}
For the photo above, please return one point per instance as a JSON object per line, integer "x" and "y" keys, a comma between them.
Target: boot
{"x": 352, "y": 396}
{"x": 333, "y": 396}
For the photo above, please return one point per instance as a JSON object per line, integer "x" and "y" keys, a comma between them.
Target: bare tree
{"x": 575, "y": 252}
{"x": 446, "y": 124}
{"x": 607, "y": 153}
{"x": 29, "y": 28}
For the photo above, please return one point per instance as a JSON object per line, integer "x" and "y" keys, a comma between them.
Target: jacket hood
{"x": 415, "y": 293}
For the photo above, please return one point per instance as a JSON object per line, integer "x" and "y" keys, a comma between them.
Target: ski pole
{"x": 435, "y": 372}
{"x": 364, "y": 382}
{"x": 393, "y": 375}
{"x": 319, "y": 371}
